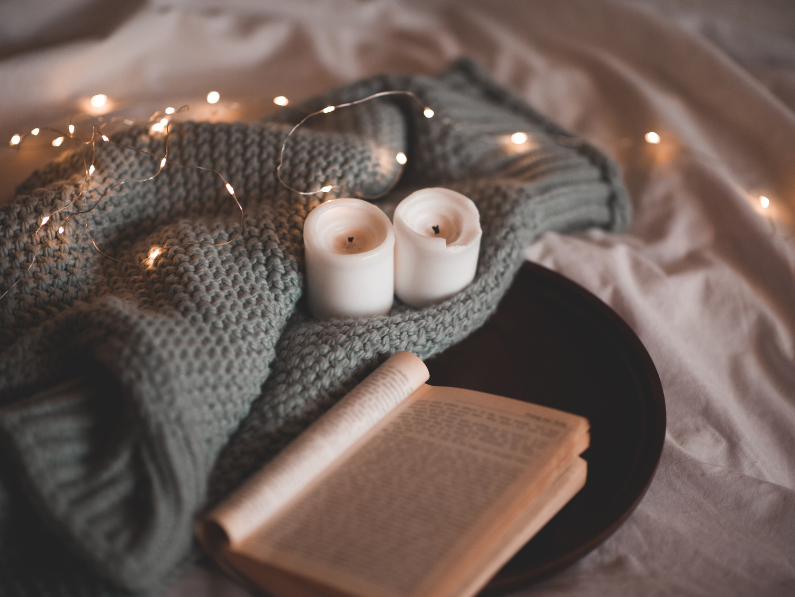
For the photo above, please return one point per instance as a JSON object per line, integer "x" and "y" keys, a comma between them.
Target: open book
{"x": 400, "y": 490}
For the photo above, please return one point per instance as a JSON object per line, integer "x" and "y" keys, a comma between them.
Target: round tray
{"x": 554, "y": 343}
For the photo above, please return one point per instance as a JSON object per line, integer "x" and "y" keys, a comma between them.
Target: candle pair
{"x": 356, "y": 260}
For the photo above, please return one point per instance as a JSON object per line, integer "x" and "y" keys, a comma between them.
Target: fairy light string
{"x": 97, "y": 135}
{"x": 161, "y": 123}
{"x": 400, "y": 157}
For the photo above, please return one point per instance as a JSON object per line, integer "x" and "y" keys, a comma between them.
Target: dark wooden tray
{"x": 554, "y": 343}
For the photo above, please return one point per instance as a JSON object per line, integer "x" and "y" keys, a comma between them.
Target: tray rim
{"x": 639, "y": 484}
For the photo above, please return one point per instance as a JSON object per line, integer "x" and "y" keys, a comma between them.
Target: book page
{"x": 468, "y": 580}
{"x": 425, "y": 481}
{"x": 312, "y": 452}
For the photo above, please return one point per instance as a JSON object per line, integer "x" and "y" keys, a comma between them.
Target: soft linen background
{"x": 704, "y": 275}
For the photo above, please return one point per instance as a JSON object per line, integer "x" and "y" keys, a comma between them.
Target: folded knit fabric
{"x": 134, "y": 393}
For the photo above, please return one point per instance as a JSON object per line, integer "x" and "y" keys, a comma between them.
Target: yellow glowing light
{"x": 60, "y": 230}
{"x": 15, "y": 140}
{"x": 230, "y": 188}
{"x": 652, "y": 137}
{"x": 213, "y": 97}
{"x": 57, "y": 141}
{"x": 280, "y": 100}
{"x": 99, "y": 100}
{"x": 71, "y": 129}
{"x": 162, "y": 163}
{"x": 164, "y": 122}
{"x": 519, "y": 138}
{"x": 170, "y": 110}
{"x": 44, "y": 220}
{"x": 105, "y": 138}
{"x": 428, "y": 113}
{"x": 153, "y": 253}
{"x": 401, "y": 158}
{"x": 91, "y": 169}
{"x": 34, "y": 131}
{"x": 328, "y": 109}
{"x": 157, "y": 128}
{"x": 326, "y": 189}
{"x": 764, "y": 201}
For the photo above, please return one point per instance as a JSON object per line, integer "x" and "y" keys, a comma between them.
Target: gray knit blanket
{"x": 133, "y": 397}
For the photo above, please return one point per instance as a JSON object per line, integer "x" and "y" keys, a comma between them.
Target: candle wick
{"x": 350, "y": 239}
{"x": 435, "y": 229}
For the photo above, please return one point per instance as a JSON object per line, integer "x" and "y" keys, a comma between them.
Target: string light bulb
{"x": 170, "y": 110}
{"x": 230, "y": 188}
{"x": 163, "y": 122}
{"x": 105, "y": 138}
{"x": 91, "y": 169}
{"x": 764, "y": 201}
{"x": 57, "y": 141}
{"x": 71, "y": 129}
{"x": 35, "y": 131}
{"x": 44, "y": 220}
{"x": 519, "y": 138}
{"x": 213, "y": 97}
{"x": 328, "y": 109}
{"x": 153, "y": 253}
{"x": 61, "y": 230}
{"x": 157, "y": 128}
{"x": 162, "y": 163}
{"x": 280, "y": 100}
{"x": 99, "y": 100}
{"x": 401, "y": 158}
{"x": 428, "y": 113}
{"x": 326, "y": 189}
{"x": 652, "y": 137}
{"x": 15, "y": 140}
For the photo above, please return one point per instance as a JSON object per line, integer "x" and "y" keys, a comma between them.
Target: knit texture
{"x": 133, "y": 397}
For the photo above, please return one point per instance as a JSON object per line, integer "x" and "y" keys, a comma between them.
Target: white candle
{"x": 349, "y": 248}
{"x": 437, "y": 234}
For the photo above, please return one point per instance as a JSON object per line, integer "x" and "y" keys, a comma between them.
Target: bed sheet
{"x": 704, "y": 275}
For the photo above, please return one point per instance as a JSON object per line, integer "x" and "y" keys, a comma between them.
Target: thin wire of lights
{"x": 427, "y": 112}
{"x": 161, "y": 124}
{"x": 89, "y": 169}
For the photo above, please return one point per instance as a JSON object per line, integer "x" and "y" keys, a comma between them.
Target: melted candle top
{"x": 353, "y": 242}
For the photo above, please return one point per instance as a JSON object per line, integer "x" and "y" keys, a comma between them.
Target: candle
{"x": 349, "y": 249}
{"x": 437, "y": 234}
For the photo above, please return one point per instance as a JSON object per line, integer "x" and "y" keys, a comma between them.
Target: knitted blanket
{"x": 135, "y": 393}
